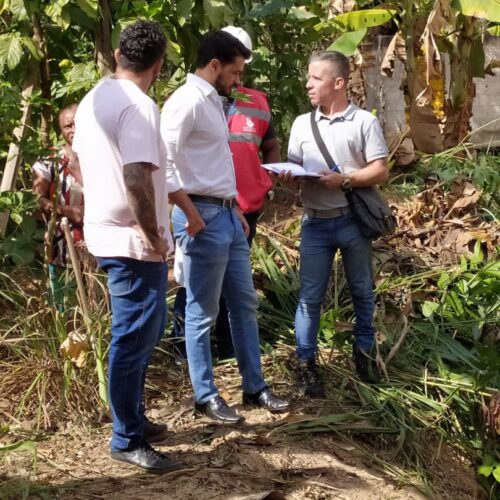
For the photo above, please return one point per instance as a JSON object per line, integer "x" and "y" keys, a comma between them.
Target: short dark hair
{"x": 338, "y": 61}
{"x": 222, "y": 46}
{"x": 142, "y": 44}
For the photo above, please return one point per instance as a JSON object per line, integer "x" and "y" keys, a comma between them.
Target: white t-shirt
{"x": 117, "y": 124}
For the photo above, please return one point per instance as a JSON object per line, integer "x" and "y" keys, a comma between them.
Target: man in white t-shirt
{"x": 127, "y": 228}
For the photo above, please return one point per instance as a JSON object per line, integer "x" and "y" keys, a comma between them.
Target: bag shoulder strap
{"x": 320, "y": 142}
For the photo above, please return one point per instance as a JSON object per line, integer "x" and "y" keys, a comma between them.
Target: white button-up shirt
{"x": 195, "y": 132}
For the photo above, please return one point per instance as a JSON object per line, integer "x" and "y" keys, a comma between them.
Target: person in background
{"x": 251, "y": 134}
{"x": 217, "y": 259}
{"x": 356, "y": 143}
{"x": 58, "y": 182}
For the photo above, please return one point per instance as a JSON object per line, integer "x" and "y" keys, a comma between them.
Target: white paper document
{"x": 296, "y": 170}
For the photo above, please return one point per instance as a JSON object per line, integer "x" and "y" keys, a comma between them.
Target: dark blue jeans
{"x": 320, "y": 239}
{"x": 224, "y": 342}
{"x": 138, "y": 303}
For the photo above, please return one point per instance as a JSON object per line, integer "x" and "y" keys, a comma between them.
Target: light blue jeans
{"x": 138, "y": 302}
{"x": 320, "y": 239}
{"x": 217, "y": 260}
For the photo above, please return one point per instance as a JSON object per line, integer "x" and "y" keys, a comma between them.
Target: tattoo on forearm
{"x": 141, "y": 197}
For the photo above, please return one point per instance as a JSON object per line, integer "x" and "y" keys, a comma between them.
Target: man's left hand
{"x": 331, "y": 180}
{"x": 244, "y": 223}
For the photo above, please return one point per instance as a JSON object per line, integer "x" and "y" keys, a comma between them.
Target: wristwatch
{"x": 346, "y": 183}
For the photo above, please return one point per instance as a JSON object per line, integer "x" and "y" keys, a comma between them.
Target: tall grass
{"x": 46, "y": 386}
{"x": 440, "y": 380}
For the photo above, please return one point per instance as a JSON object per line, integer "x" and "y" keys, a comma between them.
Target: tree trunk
{"x": 14, "y": 155}
{"x": 462, "y": 88}
{"x": 45, "y": 82}
{"x": 104, "y": 50}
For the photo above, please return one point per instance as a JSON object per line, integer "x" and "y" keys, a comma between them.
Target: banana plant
{"x": 438, "y": 112}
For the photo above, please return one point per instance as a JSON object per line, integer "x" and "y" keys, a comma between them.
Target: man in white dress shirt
{"x": 194, "y": 128}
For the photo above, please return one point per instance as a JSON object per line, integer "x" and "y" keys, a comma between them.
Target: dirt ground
{"x": 252, "y": 461}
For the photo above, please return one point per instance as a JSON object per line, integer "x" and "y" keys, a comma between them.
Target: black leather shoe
{"x": 147, "y": 458}
{"x": 266, "y": 399}
{"x": 152, "y": 433}
{"x": 309, "y": 380}
{"x": 217, "y": 409}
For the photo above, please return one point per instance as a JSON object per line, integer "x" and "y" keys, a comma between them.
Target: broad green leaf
{"x": 5, "y": 201}
{"x": 359, "y": 19}
{"x": 32, "y": 47}
{"x": 218, "y": 12}
{"x": 301, "y": 14}
{"x": 429, "y": 308}
{"x": 90, "y": 7}
{"x": 174, "y": 52}
{"x": 183, "y": 8}
{"x": 477, "y": 58}
{"x": 348, "y": 42}
{"x": 484, "y": 9}
{"x": 24, "y": 255}
{"x": 19, "y": 196}
{"x": 18, "y": 9}
{"x": 58, "y": 14}
{"x": 28, "y": 225}
{"x": 485, "y": 470}
{"x": 17, "y": 218}
{"x": 11, "y": 49}
{"x": 496, "y": 473}
{"x": 270, "y": 8}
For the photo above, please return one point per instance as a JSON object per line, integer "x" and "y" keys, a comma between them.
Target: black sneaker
{"x": 152, "y": 432}
{"x": 147, "y": 458}
{"x": 309, "y": 380}
{"x": 366, "y": 367}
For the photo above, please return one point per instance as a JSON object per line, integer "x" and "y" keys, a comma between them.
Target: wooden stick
{"x": 76, "y": 265}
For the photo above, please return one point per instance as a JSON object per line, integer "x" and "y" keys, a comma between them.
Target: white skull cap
{"x": 242, "y": 36}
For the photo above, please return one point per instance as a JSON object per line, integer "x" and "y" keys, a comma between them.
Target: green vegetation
{"x": 438, "y": 278}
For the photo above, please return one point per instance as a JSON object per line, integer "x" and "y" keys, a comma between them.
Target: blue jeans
{"x": 138, "y": 303}
{"x": 320, "y": 239}
{"x": 218, "y": 260}
{"x": 223, "y": 339}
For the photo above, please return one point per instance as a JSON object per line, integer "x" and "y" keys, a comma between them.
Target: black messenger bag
{"x": 371, "y": 212}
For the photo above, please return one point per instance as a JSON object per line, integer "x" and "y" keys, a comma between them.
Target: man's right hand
{"x": 195, "y": 223}
{"x": 288, "y": 180}
{"x": 160, "y": 246}
{"x": 153, "y": 243}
